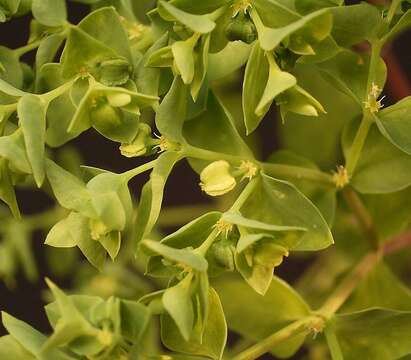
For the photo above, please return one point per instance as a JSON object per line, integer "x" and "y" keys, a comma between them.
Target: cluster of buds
{"x": 219, "y": 177}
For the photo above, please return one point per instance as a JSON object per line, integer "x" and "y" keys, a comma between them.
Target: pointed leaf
{"x": 31, "y": 111}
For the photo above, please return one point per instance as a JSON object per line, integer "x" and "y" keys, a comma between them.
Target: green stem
{"x": 55, "y": 93}
{"x": 9, "y": 108}
{"x": 245, "y": 194}
{"x": 202, "y": 154}
{"x": 358, "y": 144}
{"x": 26, "y": 48}
{"x": 363, "y": 216}
{"x": 128, "y": 175}
{"x": 391, "y": 11}
{"x": 368, "y": 118}
{"x": 276, "y": 170}
{"x": 203, "y": 248}
{"x": 349, "y": 284}
{"x": 297, "y": 172}
{"x": 332, "y": 341}
{"x": 302, "y": 326}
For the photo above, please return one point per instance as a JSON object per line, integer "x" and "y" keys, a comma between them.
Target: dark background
{"x": 25, "y": 301}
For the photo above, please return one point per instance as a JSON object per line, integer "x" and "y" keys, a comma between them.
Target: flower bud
{"x": 216, "y": 178}
{"x": 223, "y": 254}
{"x": 141, "y": 145}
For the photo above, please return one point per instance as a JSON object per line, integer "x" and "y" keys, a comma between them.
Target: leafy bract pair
{"x": 83, "y": 326}
{"x": 99, "y": 212}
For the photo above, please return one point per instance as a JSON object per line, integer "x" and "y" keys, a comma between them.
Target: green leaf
{"x": 348, "y": 72}
{"x": 116, "y": 38}
{"x": 70, "y": 191}
{"x": 322, "y": 197}
{"x": 211, "y": 343}
{"x": 203, "y": 7}
{"x": 198, "y": 23}
{"x": 214, "y": 130}
{"x": 12, "y": 148}
{"x": 299, "y": 101}
{"x": 378, "y": 157}
{"x": 395, "y": 124}
{"x": 191, "y": 235}
{"x": 378, "y": 334}
{"x": 382, "y": 206}
{"x": 147, "y": 78}
{"x": 276, "y": 13}
{"x": 60, "y": 235}
{"x": 152, "y": 195}
{"x": 280, "y": 306}
{"x": 238, "y": 219}
{"x": 31, "y": 111}
{"x": 179, "y": 305}
{"x": 255, "y": 80}
{"x": 201, "y": 67}
{"x": 280, "y": 203}
{"x": 91, "y": 249}
{"x": 183, "y": 52}
{"x": 71, "y": 325}
{"x": 228, "y": 60}
{"x": 9, "y": 347}
{"x": 381, "y": 288}
{"x": 134, "y": 320}
{"x": 256, "y": 263}
{"x": 173, "y": 106}
{"x": 50, "y": 12}
{"x": 11, "y": 72}
{"x": 194, "y": 233}
{"x": 83, "y": 53}
{"x": 48, "y": 49}
{"x": 10, "y": 89}
{"x": 355, "y": 23}
{"x": 297, "y": 132}
{"x": 321, "y": 22}
{"x": 30, "y": 339}
{"x": 7, "y": 193}
{"x": 262, "y": 83}
{"x": 180, "y": 256}
{"x": 306, "y": 6}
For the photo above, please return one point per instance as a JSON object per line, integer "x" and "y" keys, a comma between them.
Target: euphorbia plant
{"x": 190, "y": 80}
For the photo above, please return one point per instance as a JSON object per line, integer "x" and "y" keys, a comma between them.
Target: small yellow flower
{"x": 136, "y": 30}
{"x": 249, "y": 169}
{"x": 341, "y": 177}
{"x": 373, "y": 104}
{"x": 97, "y": 229}
{"x": 216, "y": 178}
{"x": 241, "y": 6}
{"x": 224, "y": 227}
